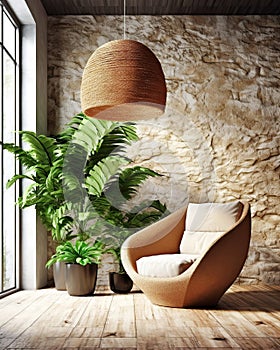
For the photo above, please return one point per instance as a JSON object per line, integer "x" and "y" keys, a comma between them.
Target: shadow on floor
{"x": 256, "y": 300}
{"x": 251, "y": 301}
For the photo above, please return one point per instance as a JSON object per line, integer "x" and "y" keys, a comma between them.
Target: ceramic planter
{"x": 81, "y": 280}
{"x": 59, "y": 275}
{"x": 120, "y": 282}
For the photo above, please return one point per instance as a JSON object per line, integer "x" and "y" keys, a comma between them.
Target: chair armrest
{"x": 162, "y": 237}
{"x": 217, "y": 269}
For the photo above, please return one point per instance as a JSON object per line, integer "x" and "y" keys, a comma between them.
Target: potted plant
{"x": 44, "y": 160}
{"x": 83, "y": 227}
{"x": 84, "y": 165}
{"x": 122, "y": 225}
{"x": 109, "y": 182}
{"x": 119, "y": 281}
{"x": 81, "y": 259}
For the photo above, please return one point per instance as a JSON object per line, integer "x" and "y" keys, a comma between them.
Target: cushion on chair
{"x": 205, "y": 223}
{"x": 164, "y": 265}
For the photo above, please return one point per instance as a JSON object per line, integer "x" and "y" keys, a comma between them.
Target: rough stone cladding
{"x": 220, "y": 137}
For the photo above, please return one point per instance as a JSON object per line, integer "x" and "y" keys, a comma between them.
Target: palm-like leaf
{"x": 67, "y": 134}
{"x": 144, "y": 214}
{"x": 73, "y": 190}
{"x": 41, "y": 147}
{"x": 73, "y": 170}
{"x": 17, "y": 177}
{"x": 124, "y": 186}
{"x": 144, "y": 218}
{"x": 29, "y": 196}
{"x": 131, "y": 178}
{"x": 62, "y": 228}
{"x": 54, "y": 178}
{"x": 23, "y": 156}
{"x": 112, "y": 144}
{"x": 90, "y": 132}
{"x": 57, "y": 220}
{"x": 101, "y": 173}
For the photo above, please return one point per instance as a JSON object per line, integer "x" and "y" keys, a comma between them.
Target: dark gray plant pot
{"x": 59, "y": 275}
{"x": 81, "y": 280}
{"x": 120, "y": 282}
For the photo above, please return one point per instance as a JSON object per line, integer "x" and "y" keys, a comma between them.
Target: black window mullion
{"x": 9, "y": 269}
{"x": 1, "y": 155}
{"x": 16, "y": 218}
{"x": 7, "y": 9}
{"x": 9, "y": 54}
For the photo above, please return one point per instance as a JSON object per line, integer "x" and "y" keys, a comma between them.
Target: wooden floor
{"x": 246, "y": 318}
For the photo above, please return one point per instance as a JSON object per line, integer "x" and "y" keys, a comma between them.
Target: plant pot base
{"x": 59, "y": 275}
{"x": 81, "y": 280}
{"x": 120, "y": 283}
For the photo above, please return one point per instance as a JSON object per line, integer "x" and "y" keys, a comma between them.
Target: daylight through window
{"x": 9, "y": 104}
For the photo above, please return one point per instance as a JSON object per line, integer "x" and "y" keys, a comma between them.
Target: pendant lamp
{"x": 123, "y": 81}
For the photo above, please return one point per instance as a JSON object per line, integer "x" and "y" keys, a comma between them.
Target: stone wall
{"x": 220, "y": 137}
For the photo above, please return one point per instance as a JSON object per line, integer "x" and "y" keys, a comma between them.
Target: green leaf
{"x": 81, "y": 252}
{"x": 145, "y": 214}
{"x": 42, "y": 147}
{"x": 130, "y": 131}
{"x": 17, "y": 177}
{"x": 25, "y": 158}
{"x": 29, "y": 197}
{"x": 101, "y": 173}
{"x": 113, "y": 143}
{"x": 73, "y": 188}
{"x": 123, "y": 187}
{"x": 90, "y": 132}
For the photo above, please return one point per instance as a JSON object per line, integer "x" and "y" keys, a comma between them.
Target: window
{"x": 9, "y": 105}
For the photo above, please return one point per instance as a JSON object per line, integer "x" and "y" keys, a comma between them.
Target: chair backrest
{"x": 214, "y": 272}
{"x": 205, "y": 223}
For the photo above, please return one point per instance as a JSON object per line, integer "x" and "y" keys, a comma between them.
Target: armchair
{"x": 207, "y": 278}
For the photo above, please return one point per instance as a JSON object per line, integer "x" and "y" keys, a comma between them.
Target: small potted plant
{"x": 122, "y": 225}
{"x": 81, "y": 259}
{"x": 119, "y": 281}
{"x": 74, "y": 256}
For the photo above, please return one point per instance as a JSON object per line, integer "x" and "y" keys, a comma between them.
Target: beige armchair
{"x": 207, "y": 278}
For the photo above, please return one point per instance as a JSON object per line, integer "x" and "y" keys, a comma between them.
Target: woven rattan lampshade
{"x": 123, "y": 80}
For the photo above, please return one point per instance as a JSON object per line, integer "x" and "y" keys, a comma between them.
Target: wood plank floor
{"x": 247, "y": 317}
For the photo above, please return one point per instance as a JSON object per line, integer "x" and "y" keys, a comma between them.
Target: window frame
{"x": 16, "y": 59}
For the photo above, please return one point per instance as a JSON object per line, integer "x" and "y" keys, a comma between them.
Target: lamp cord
{"x": 124, "y": 24}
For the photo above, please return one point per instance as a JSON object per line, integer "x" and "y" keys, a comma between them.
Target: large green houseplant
{"x": 110, "y": 183}
{"x": 82, "y": 178}
{"x": 42, "y": 160}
